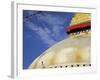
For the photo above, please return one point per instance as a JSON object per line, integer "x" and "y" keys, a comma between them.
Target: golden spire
{"x": 80, "y": 18}
{"x": 80, "y": 22}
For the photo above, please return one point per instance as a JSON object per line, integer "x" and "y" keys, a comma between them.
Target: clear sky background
{"x": 41, "y": 30}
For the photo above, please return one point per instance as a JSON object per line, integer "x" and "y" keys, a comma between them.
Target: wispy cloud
{"x": 49, "y": 35}
{"x": 44, "y": 34}
{"x": 55, "y": 22}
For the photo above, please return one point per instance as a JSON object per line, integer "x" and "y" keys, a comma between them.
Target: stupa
{"x": 73, "y": 51}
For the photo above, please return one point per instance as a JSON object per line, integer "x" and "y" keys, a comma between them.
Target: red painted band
{"x": 78, "y": 26}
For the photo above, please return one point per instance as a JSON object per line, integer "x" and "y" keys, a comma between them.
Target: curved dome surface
{"x": 73, "y": 51}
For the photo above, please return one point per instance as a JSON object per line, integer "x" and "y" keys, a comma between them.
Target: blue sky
{"x": 41, "y": 30}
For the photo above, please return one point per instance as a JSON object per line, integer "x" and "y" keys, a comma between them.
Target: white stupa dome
{"x": 73, "y": 51}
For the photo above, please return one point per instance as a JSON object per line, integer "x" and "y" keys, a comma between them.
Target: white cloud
{"x": 44, "y": 34}
{"x": 46, "y": 37}
{"x": 49, "y": 35}
{"x": 56, "y": 23}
